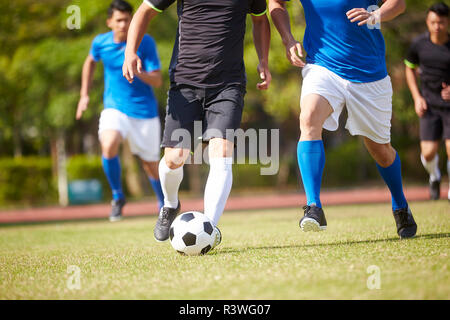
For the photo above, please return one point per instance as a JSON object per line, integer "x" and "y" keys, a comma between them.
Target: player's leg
{"x": 112, "y": 129}
{"x": 110, "y": 142}
{"x": 144, "y": 138}
{"x": 389, "y": 167}
{"x": 151, "y": 169}
{"x": 223, "y": 114}
{"x": 431, "y": 129}
{"x": 315, "y": 109}
{"x": 369, "y": 107}
{"x": 171, "y": 175}
{"x": 430, "y": 161}
{"x": 183, "y": 109}
{"x": 220, "y": 178}
{"x": 321, "y": 103}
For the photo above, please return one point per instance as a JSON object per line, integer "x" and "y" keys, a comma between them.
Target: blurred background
{"x": 43, "y": 149}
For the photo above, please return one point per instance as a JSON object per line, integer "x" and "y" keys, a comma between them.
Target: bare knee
{"x": 175, "y": 157}
{"x": 110, "y": 142}
{"x": 383, "y": 154}
{"x": 429, "y": 149}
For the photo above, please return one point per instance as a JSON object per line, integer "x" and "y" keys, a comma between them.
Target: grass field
{"x": 264, "y": 255}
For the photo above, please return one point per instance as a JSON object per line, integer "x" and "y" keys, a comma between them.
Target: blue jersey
{"x": 136, "y": 99}
{"x": 355, "y": 53}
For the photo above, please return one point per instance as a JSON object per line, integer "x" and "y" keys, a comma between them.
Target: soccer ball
{"x": 192, "y": 233}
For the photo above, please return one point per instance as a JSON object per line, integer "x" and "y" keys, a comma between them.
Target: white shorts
{"x": 143, "y": 135}
{"x": 369, "y": 105}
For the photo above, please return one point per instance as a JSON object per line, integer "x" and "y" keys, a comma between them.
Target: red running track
{"x": 255, "y": 202}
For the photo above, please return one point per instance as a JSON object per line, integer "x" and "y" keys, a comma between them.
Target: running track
{"x": 255, "y": 202}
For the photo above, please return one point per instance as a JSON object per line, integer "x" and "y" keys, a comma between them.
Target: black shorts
{"x": 215, "y": 109}
{"x": 435, "y": 124}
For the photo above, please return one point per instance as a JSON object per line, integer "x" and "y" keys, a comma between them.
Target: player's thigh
{"x": 315, "y": 109}
{"x": 183, "y": 110}
{"x": 369, "y": 107}
{"x": 432, "y": 125}
{"x": 113, "y": 127}
{"x": 223, "y": 113}
{"x": 144, "y": 138}
{"x": 322, "y": 99}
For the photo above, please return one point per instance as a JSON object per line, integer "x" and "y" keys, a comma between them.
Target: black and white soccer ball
{"x": 192, "y": 233}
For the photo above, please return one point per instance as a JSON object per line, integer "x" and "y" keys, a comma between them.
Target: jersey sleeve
{"x": 412, "y": 57}
{"x": 150, "y": 55}
{"x": 159, "y": 5}
{"x": 258, "y": 7}
{"x": 95, "y": 49}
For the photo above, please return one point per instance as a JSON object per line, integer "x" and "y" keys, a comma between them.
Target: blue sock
{"x": 156, "y": 185}
{"x": 113, "y": 174}
{"x": 392, "y": 175}
{"x": 311, "y": 161}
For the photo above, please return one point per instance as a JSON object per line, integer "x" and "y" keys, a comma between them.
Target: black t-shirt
{"x": 209, "y": 47}
{"x": 434, "y": 63}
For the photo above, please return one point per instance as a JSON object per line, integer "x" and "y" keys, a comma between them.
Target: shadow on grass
{"x": 341, "y": 243}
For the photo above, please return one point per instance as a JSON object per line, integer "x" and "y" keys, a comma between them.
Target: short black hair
{"x": 119, "y": 5}
{"x": 440, "y": 8}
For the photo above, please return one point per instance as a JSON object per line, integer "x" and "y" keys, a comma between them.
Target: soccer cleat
{"x": 218, "y": 238}
{"x": 435, "y": 190}
{"x": 313, "y": 220}
{"x": 116, "y": 211}
{"x": 406, "y": 226}
{"x": 165, "y": 219}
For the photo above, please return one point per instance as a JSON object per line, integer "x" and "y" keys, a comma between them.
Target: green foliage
{"x": 26, "y": 181}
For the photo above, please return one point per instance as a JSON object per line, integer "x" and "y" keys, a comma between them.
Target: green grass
{"x": 264, "y": 255}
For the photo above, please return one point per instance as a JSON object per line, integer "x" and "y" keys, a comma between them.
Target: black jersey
{"x": 209, "y": 46}
{"x": 434, "y": 63}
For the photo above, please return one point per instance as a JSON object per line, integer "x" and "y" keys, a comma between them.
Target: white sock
{"x": 218, "y": 187}
{"x": 432, "y": 168}
{"x": 170, "y": 183}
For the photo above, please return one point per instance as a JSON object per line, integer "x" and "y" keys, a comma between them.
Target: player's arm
{"x": 132, "y": 64}
{"x": 389, "y": 10}
{"x": 153, "y": 78}
{"x": 86, "y": 80}
{"x": 420, "y": 104}
{"x": 280, "y": 18}
{"x": 261, "y": 39}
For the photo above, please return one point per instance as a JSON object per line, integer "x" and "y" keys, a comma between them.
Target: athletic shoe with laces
{"x": 165, "y": 219}
{"x": 406, "y": 226}
{"x": 435, "y": 190}
{"x": 218, "y": 237}
{"x": 313, "y": 220}
{"x": 116, "y": 210}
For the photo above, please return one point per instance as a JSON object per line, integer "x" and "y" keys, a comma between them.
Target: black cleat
{"x": 406, "y": 226}
{"x": 313, "y": 220}
{"x": 165, "y": 219}
{"x": 116, "y": 211}
{"x": 435, "y": 190}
